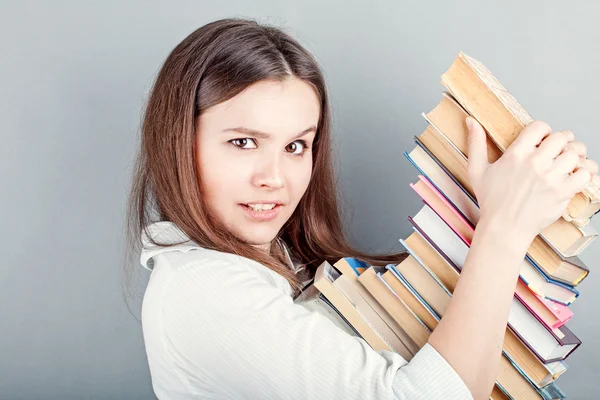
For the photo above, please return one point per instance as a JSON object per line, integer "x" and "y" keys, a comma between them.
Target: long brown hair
{"x": 211, "y": 65}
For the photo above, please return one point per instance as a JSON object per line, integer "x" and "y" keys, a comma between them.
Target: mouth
{"x": 262, "y": 211}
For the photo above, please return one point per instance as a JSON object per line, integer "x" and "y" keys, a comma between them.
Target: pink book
{"x": 561, "y": 312}
{"x": 538, "y": 307}
{"x": 465, "y": 230}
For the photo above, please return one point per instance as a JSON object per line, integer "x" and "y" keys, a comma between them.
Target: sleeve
{"x": 229, "y": 329}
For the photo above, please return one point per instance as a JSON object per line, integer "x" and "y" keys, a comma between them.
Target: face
{"x": 255, "y": 159}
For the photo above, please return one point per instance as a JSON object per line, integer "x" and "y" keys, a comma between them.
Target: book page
{"x": 499, "y": 90}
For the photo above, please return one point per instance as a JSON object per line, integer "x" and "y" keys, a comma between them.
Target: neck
{"x": 266, "y": 247}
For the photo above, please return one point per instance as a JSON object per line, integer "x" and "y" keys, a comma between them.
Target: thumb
{"x": 478, "y": 155}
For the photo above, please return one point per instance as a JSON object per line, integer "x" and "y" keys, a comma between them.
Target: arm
{"x": 524, "y": 191}
{"x": 471, "y": 333}
{"x": 231, "y": 334}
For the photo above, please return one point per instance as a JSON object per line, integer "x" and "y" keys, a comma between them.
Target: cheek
{"x": 217, "y": 177}
{"x": 301, "y": 180}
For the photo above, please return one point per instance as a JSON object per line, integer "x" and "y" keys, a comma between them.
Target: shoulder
{"x": 192, "y": 309}
{"x": 208, "y": 279}
{"x": 199, "y": 299}
{"x": 191, "y": 293}
{"x": 187, "y": 287}
{"x": 214, "y": 271}
{"x": 175, "y": 257}
{"x": 211, "y": 273}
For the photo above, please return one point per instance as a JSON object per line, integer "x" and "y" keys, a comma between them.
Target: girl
{"x": 235, "y": 161}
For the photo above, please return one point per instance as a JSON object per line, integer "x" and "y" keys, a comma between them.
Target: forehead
{"x": 278, "y": 107}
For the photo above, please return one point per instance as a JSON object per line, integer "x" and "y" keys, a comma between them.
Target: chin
{"x": 258, "y": 235}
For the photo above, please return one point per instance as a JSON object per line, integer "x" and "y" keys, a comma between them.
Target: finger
{"x": 565, "y": 163}
{"x": 579, "y": 148}
{"x": 478, "y": 155}
{"x": 577, "y": 181}
{"x": 555, "y": 143}
{"x": 531, "y": 135}
{"x": 590, "y": 165}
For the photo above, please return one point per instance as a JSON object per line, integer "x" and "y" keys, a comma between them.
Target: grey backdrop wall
{"x": 73, "y": 79}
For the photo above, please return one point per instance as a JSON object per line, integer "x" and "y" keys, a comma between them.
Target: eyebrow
{"x": 264, "y": 135}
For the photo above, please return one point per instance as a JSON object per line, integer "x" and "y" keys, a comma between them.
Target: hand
{"x": 531, "y": 184}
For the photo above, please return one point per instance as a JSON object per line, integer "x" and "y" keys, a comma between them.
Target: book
{"x": 418, "y": 245}
{"x": 351, "y": 268}
{"x": 510, "y": 378}
{"x": 555, "y": 368}
{"x": 544, "y": 343}
{"x": 458, "y": 249}
{"x": 421, "y": 280}
{"x": 432, "y": 196}
{"x": 560, "y": 311}
{"x": 312, "y": 299}
{"x": 516, "y": 384}
{"x": 395, "y": 306}
{"x": 481, "y": 94}
{"x": 325, "y": 275}
{"x": 448, "y": 118}
{"x": 537, "y": 339}
{"x": 397, "y": 284}
{"x": 513, "y": 347}
{"x": 388, "y": 330}
{"x": 444, "y": 182}
{"x": 540, "y": 308}
{"x": 537, "y": 372}
{"x": 535, "y": 336}
{"x": 562, "y": 348}
{"x": 457, "y": 197}
{"x": 568, "y": 239}
{"x": 570, "y": 271}
{"x": 499, "y": 393}
{"x": 538, "y": 281}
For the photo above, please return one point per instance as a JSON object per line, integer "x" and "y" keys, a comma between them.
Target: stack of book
{"x": 396, "y": 307}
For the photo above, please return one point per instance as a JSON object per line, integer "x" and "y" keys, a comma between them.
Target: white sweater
{"x": 221, "y": 326}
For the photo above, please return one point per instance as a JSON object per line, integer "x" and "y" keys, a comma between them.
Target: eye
{"x": 296, "y": 148}
{"x": 243, "y": 143}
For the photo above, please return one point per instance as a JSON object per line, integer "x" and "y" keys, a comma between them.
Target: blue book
{"x": 357, "y": 265}
{"x": 408, "y": 157}
{"x": 425, "y": 267}
{"x": 565, "y": 294}
{"x": 402, "y": 279}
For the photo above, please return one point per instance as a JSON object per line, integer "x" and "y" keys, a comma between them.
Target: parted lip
{"x": 276, "y": 202}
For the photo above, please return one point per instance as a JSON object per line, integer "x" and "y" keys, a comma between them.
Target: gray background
{"x": 74, "y": 77}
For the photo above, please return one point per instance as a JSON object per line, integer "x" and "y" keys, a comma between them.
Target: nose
{"x": 269, "y": 172}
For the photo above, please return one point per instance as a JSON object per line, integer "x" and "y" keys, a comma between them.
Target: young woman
{"x": 234, "y": 201}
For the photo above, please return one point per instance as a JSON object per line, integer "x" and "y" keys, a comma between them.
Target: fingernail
{"x": 469, "y": 123}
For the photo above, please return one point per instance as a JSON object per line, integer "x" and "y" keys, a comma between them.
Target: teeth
{"x": 261, "y": 207}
